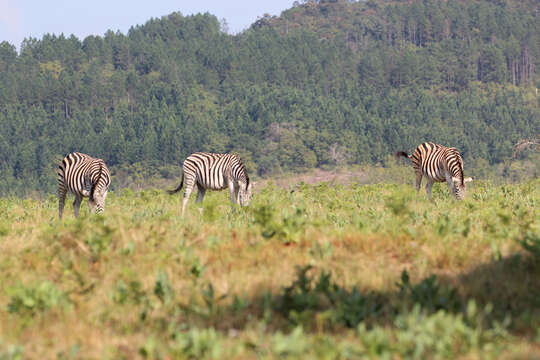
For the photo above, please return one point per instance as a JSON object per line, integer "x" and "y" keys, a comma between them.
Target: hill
{"x": 326, "y": 83}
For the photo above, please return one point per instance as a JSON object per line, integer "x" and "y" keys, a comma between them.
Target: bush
{"x": 429, "y": 294}
{"x": 288, "y": 227}
{"x": 197, "y": 344}
{"x": 304, "y": 298}
{"x": 420, "y": 335}
{"x": 530, "y": 241}
{"x": 35, "y": 298}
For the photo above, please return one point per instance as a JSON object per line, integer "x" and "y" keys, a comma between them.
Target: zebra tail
{"x": 178, "y": 188}
{"x": 399, "y": 154}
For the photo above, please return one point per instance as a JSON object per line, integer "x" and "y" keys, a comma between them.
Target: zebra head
{"x": 244, "y": 193}
{"x": 96, "y": 201}
{"x": 460, "y": 188}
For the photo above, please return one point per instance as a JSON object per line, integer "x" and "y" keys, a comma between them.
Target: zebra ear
{"x": 468, "y": 179}
{"x": 85, "y": 193}
{"x": 455, "y": 179}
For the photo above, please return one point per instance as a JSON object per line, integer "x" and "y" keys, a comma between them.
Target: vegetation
{"x": 327, "y": 83}
{"x": 353, "y": 264}
{"x": 320, "y": 271}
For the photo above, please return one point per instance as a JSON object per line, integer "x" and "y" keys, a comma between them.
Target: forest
{"x": 327, "y": 83}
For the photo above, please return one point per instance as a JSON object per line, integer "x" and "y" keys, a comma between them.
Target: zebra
{"x": 83, "y": 176}
{"x": 215, "y": 172}
{"x": 438, "y": 163}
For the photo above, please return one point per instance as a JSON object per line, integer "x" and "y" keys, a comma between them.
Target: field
{"x": 330, "y": 271}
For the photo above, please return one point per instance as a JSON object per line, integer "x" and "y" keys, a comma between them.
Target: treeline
{"x": 328, "y": 82}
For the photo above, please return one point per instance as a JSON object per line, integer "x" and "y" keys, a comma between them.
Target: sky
{"x": 21, "y": 19}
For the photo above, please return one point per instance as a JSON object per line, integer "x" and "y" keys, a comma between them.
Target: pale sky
{"x": 34, "y": 18}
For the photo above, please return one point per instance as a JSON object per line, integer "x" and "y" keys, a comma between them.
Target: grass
{"x": 321, "y": 271}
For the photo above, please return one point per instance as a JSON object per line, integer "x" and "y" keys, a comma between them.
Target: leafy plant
{"x": 295, "y": 343}
{"x": 197, "y": 344}
{"x": 162, "y": 288}
{"x": 429, "y": 294}
{"x": 530, "y": 241}
{"x": 35, "y": 298}
{"x": 133, "y": 293}
{"x": 287, "y": 228}
{"x": 304, "y": 298}
{"x": 420, "y": 334}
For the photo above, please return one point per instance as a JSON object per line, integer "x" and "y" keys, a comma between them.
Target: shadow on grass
{"x": 511, "y": 285}
{"x": 313, "y": 300}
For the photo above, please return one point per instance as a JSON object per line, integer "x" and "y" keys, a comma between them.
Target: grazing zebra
{"x": 438, "y": 163}
{"x": 215, "y": 172}
{"x": 83, "y": 176}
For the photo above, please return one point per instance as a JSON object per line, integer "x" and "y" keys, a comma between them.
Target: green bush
{"x": 305, "y": 298}
{"x": 133, "y": 293}
{"x": 429, "y": 294}
{"x": 420, "y": 335}
{"x": 288, "y": 227}
{"x": 530, "y": 241}
{"x": 197, "y": 344}
{"x": 35, "y": 298}
{"x": 293, "y": 344}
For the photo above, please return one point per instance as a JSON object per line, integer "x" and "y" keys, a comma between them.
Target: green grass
{"x": 316, "y": 271}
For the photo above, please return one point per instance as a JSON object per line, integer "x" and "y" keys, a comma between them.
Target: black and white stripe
{"x": 83, "y": 176}
{"x": 438, "y": 163}
{"x": 211, "y": 171}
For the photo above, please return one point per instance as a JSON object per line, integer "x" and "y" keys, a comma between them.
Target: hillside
{"x": 326, "y": 83}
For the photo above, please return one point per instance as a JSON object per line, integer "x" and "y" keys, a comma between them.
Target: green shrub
{"x": 293, "y": 344}
{"x": 287, "y": 227}
{"x": 305, "y": 298}
{"x": 133, "y": 293}
{"x": 420, "y": 335}
{"x": 35, "y": 298}
{"x": 429, "y": 294}
{"x": 162, "y": 288}
{"x": 530, "y": 241}
{"x": 197, "y": 344}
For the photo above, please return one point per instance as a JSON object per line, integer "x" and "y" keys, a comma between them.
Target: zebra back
{"x": 212, "y": 170}
{"x": 83, "y": 175}
{"x": 433, "y": 160}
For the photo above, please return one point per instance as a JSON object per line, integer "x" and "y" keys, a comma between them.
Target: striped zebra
{"x": 83, "y": 176}
{"x": 214, "y": 172}
{"x": 438, "y": 163}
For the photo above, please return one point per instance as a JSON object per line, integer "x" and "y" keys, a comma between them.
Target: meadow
{"x": 329, "y": 271}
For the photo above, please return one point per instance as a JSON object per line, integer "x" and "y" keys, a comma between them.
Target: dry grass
{"x": 365, "y": 236}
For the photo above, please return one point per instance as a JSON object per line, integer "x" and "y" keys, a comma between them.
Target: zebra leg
{"x": 61, "y": 199}
{"x": 237, "y": 193}
{"x": 187, "y": 193}
{"x": 77, "y": 205}
{"x": 200, "y": 194}
{"x": 418, "y": 181}
{"x": 450, "y": 187}
{"x": 231, "y": 192}
{"x": 428, "y": 188}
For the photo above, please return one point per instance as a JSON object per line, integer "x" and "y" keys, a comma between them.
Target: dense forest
{"x": 325, "y": 83}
